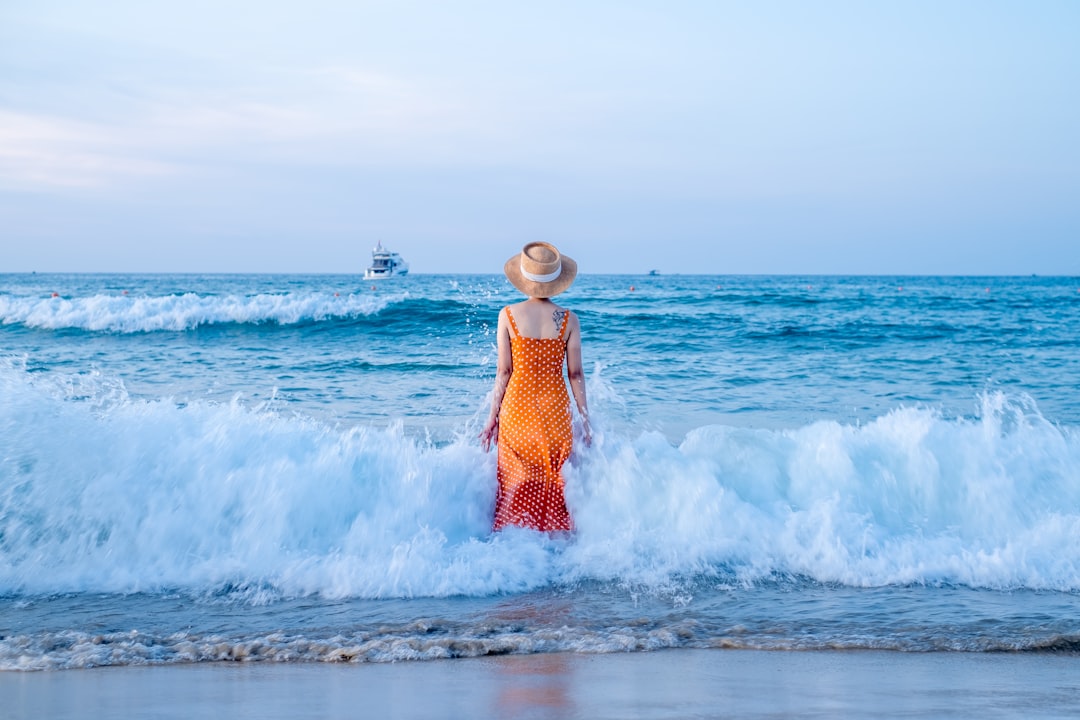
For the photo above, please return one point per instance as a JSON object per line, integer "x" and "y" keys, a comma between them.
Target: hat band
{"x": 541, "y": 278}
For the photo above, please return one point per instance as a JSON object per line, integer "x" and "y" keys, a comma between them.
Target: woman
{"x": 530, "y": 409}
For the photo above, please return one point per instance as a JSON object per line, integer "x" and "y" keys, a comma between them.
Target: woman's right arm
{"x": 575, "y": 373}
{"x": 504, "y": 368}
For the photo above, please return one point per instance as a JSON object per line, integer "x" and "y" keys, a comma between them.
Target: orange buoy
{"x": 56, "y": 294}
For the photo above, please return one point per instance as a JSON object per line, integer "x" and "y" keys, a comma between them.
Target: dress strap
{"x": 510, "y": 317}
{"x": 565, "y": 320}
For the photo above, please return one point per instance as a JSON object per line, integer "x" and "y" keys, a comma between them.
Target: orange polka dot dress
{"x": 534, "y": 435}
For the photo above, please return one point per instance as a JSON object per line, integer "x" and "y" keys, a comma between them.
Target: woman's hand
{"x": 586, "y": 432}
{"x": 490, "y": 434}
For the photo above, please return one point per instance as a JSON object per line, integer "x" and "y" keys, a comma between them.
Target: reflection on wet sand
{"x": 539, "y": 686}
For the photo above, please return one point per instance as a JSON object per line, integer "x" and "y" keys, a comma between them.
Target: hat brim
{"x": 512, "y": 268}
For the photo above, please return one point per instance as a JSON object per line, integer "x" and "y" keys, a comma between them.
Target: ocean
{"x": 284, "y": 469}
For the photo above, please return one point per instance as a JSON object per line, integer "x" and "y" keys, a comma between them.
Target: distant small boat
{"x": 654, "y": 272}
{"x": 385, "y": 264}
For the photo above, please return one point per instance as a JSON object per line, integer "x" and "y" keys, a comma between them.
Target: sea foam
{"x": 100, "y": 492}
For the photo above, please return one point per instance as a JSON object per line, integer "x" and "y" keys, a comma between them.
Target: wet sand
{"x": 665, "y": 684}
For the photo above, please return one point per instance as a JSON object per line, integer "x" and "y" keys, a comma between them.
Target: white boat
{"x": 385, "y": 264}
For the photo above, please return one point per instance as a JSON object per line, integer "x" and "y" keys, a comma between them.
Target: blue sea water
{"x": 285, "y": 468}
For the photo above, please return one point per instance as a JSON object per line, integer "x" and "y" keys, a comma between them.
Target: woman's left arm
{"x": 504, "y": 369}
{"x": 576, "y": 375}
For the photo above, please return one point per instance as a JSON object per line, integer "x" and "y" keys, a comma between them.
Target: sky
{"x": 828, "y": 137}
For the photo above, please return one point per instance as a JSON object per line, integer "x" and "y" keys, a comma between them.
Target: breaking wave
{"x": 138, "y": 314}
{"x": 103, "y": 493}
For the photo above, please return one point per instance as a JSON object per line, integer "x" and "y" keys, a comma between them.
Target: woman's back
{"x": 541, "y": 320}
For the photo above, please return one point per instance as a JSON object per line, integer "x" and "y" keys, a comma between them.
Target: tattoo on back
{"x": 557, "y": 316}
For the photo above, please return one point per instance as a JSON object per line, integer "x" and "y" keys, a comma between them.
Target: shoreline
{"x": 659, "y": 684}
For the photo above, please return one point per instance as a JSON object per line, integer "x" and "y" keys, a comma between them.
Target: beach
{"x": 652, "y": 686}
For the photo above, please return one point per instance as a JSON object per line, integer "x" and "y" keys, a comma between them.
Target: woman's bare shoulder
{"x": 512, "y": 307}
{"x": 559, "y": 312}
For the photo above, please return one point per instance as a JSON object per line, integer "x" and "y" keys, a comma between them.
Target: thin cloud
{"x": 40, "y": 152}
{"x": 325, "y": 116}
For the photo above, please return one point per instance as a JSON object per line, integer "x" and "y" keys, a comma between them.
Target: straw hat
{"x": 540, "y": 270}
